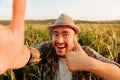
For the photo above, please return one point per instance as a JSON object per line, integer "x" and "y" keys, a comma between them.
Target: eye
{"x": 55, "y": 34}
{"x": 66, "y": 35}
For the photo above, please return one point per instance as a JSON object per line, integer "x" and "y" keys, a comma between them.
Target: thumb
{"x": 76, "y": 45}
{"x": 17, "y": 23}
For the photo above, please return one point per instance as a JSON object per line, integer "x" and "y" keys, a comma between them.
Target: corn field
{"x": 104, "y": 38}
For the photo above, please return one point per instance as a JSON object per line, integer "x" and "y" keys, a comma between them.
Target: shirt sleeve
{"x": 92, "y": 53}
{"x": 34, "y": 56}
{"x": 38, "y": 52}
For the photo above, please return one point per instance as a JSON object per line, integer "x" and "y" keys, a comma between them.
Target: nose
{"x": 60, "y": 39}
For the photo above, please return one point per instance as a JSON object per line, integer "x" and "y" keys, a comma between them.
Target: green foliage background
{"x": 104, "y": 38}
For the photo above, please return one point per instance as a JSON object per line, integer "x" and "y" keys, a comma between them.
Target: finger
{"x": 68, "y": 54}
{"x": 69, "y": 49}
{"x": 76, "y": 45}
{"x": 17, "y": 24}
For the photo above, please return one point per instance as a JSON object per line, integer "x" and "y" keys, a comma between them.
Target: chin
{"x": 61, "y": 54}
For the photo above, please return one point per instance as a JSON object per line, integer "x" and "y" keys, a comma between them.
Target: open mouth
{"x": 59, "y": 46}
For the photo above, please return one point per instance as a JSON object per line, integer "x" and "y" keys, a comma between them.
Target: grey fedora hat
{"x": 65, "y": 20}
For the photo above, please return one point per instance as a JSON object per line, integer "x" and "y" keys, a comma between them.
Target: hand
{"x": 77, "y": 59}
{"x": 12, "y": 37}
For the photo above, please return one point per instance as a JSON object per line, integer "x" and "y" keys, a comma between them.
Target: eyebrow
{"x": 62, "y": 32}
{"x": 66, "y": 32}
{"x": 55, "y": 31}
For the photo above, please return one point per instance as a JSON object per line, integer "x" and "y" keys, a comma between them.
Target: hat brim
{"x": 75, "y": 28}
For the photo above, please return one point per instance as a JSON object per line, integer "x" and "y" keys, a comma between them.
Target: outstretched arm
{"x": 12, "y": 38}
{"x": 107, "y": 71}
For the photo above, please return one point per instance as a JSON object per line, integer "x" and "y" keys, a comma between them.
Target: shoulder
{"x": 43, "y": 45}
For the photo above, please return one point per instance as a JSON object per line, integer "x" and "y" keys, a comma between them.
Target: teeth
{"x": 61, "y": 47}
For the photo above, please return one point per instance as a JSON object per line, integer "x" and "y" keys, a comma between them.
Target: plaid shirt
{"x": 49, "y": 62}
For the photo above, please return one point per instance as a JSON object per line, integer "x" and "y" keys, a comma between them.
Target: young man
{"x": 12, "y": 38}
{"x": 64, "y": 59}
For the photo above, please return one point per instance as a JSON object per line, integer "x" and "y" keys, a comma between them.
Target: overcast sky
{"x": 77, "y": 9}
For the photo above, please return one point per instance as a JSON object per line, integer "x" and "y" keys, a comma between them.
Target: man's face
{"x": 62, "y": 39}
